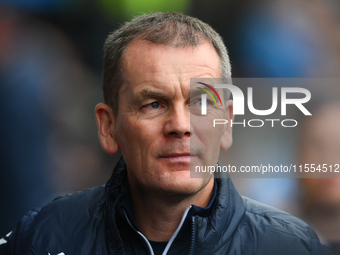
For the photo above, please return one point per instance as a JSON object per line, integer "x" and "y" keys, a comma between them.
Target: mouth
{"x": 177, "y": 157}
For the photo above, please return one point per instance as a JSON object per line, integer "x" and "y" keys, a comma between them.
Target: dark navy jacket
{"x": 99, "y": 221}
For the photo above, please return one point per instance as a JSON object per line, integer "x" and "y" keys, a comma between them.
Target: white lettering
{"x": 298, "y": 102}
{"x": 220, "y": 121}
{"x": 295, "y": 122}
{"x": 235, "y": 123}
{"x": 258, "y": 120}
{"x": 262, "y": 112}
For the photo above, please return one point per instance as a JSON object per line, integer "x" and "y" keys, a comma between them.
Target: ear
{"x": 106, "y": 122}
{"x": 227, "y": 138}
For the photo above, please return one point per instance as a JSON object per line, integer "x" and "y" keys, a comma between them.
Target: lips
{"x": 177, "y": 157}
{"x": 185, "y": 154}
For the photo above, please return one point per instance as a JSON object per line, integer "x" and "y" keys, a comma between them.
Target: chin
{"x": 185, "y": 186}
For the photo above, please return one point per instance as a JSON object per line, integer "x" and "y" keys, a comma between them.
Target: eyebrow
{"x": 196, "y": 92}
{"x": 149, "y": 94}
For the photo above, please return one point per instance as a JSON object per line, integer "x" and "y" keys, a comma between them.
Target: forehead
{"x": 145, "y": 60}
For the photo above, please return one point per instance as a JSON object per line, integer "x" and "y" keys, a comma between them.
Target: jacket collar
{"x": 214, "y": 224}
{"x": 218, "y": 227}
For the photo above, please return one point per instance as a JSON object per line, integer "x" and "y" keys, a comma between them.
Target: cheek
{"x": 136, "y": 135}
{"x": 209, "y": 135}
{"x": 128, "y": 134}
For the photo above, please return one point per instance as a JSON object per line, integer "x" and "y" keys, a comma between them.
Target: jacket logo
{"x": 61, "y": 253}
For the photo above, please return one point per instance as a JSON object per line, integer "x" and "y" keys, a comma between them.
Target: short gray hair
{"x": 172, "y": 29}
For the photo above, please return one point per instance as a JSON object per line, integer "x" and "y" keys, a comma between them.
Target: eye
{"x": 196, "y": 101}
{"x": 155, "y": 105}
{"x": 196, "y": 105}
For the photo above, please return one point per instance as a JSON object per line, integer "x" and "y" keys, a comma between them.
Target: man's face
{"x": 152, "y": 126}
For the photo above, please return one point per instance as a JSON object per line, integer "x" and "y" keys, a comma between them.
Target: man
{"x": 151, "y": 205}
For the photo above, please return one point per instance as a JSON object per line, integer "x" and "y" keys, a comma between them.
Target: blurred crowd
{"x": 50, "y": 82}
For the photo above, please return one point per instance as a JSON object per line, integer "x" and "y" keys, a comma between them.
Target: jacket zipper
{"x": 172, "y": 237}
{"x": 144, "y": 238}
{"x": 167, "y": 248}
{"x": 193, "y": 235}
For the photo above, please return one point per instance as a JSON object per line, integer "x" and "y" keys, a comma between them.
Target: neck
{"x": 158, "y": 216}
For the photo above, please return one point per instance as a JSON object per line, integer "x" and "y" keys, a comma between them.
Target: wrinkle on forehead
{"x": 167, "y": 68}
{"x": 139, "y": 50}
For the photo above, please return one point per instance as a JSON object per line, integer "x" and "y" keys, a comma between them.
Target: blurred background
{"x": 50, "y": 82}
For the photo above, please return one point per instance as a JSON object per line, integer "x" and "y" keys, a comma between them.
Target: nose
{"x": 178, "y": 122}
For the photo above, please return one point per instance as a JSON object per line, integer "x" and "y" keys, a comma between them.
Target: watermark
{"x": 239, "y": 104}
{"x": 238, "y": 99}
{"x": 267, "y": 169}
{"x": 265, "y": 128}
{"x": 257, "y": 122}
